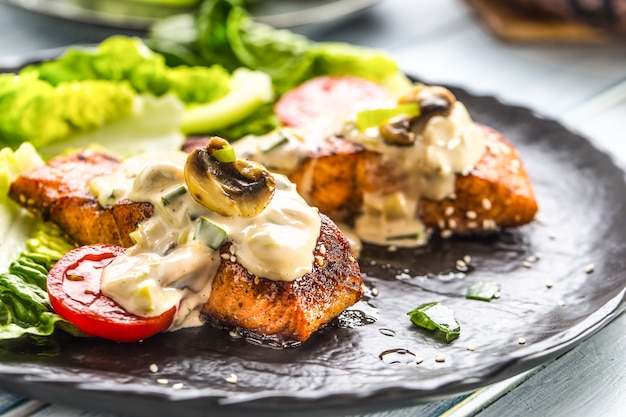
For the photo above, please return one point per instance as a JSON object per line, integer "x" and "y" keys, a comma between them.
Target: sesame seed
{"x": 22, "y": 198}
{"x": 561, "y": 303}
{"x": 467, "y": 259}
{"x": 154, "y": 368}
{"x": 225, "y": 256}
{"x": 527, "y": 264}
{"x": 256, "y": 280}
{"x": 440, "y": 357}
{"x": 471, "y": 348}
{"x": 551, "y": 236}
{"x": 232, "y": 379}
{"x": 486, "y": 203}
{"x": 162, "y": 381}
{"x": 319, "y": 260}
{"x": 392, "y": 248}
{"x": 452, "y": 196}
{"x": 419, "y": 360}
{"x": 589, "y": 268}
{"x": 232, "y": 249}
{"x": 177, "y": 385}
{"x": 449, "y": 211}
{"x": 531, "y": 258}
{"x": 549, "y": 284}
{"x": 461, "y": 265}
{"x": 496, "y": 294}
{"x": 472, "y": 225}
{"x": 521, "y": 341}
{"x": 351, "y": 258}
{"x": 452, "y": 224}
{"x": 446, "y": 233}
{"x": 233, "y": 258}
{"x": 441, "y": 223}
{"x": 374, "y": 291}
{"x": 234, "y": 334}
{"x": 470, "y": 214}
{"x": 489, "y": 224}
{"x": 323, "y": 249}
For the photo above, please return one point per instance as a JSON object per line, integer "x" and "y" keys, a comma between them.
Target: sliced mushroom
{"x": 432, "y": 101}
{"x": 398, "y": 132}
{"x": 237, "y": 188}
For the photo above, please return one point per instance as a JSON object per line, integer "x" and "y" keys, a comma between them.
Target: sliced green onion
{"x": 225, "y": 155}
{"x": 173, "y": 194}
{"x": 436, "y": 316}
{"x": 376, "y": 117}
{"x": 411, "y": 236}
{"x": 280, "y": 140}
{"x": 483, "y": 290}
{"x": 211, "y": 234}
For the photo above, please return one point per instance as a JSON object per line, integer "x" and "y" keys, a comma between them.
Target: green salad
{"x": 215, "y": 72}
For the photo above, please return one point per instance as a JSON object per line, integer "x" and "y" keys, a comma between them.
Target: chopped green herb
{"x": 173, "y": 194}
{"x": 436, "y": 316}
{"x": 375, "y": 117}
{"x": 280, "y": 140}
{"x": 483, "y": 290}
{"x": 225, "y": 155}
{"x": 210, "y": 233}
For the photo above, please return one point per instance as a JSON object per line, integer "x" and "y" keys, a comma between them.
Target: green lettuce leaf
{"x": 224, "y": 32}
{"x": 29, "y": 249}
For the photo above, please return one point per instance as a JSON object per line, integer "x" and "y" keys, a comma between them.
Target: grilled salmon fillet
{"x": 287, "y": 311}
{"x": 59, "y": 192}
{"x": 496, "y": 193}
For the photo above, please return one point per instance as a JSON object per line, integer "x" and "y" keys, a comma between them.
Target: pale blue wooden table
{"x": 443, "y": 41}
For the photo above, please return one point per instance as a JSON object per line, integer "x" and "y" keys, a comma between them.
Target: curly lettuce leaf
{"x": 121, "y": 59}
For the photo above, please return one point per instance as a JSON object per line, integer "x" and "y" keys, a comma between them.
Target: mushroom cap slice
{"x": 238, "y": 188}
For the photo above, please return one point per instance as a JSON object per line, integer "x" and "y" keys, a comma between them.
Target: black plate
{"x": 368, "y": 360}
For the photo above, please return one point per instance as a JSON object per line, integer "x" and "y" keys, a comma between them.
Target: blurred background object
{"x": 141, "y": 14}
{"x": 554, "y": 20}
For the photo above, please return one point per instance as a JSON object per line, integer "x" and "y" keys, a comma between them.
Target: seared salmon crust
{"x": 288, "y": 311}
{"x": 59, "y": 192}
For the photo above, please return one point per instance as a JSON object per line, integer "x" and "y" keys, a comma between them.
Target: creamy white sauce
{"x": 168, "y": 268}
{"x": 446, "y": 146}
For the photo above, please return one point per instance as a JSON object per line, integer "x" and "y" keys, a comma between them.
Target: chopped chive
{"x": 173, "y": 194}
{"x": 375, "y": 117}
{"x": 211, "y": 234}
{"x": 279, "y": 141}
{"x": 225, "y": 155}
{"x": 483, "y": 290}
{"x": 436, "y": 316}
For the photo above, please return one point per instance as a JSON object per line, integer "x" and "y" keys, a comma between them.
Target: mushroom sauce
{"x": 170, "y": 266}
{"x": 446, "y": 143}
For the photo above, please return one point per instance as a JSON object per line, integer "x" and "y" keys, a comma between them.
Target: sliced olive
{"x": 237, "y": 188}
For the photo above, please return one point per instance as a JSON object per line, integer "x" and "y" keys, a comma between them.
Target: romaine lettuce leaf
{"x": 225, "y": 33}
{"x": 29, "y": 249}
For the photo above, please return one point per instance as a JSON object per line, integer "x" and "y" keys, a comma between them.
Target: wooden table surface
{"x": 583, "y": 85}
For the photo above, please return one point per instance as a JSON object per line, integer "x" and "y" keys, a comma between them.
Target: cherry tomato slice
{"x": 326, "y": 96}
{"x": 74, "y": 290}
